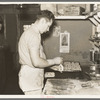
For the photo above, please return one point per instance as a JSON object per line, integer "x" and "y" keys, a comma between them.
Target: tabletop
{"x": 71, "y": 87}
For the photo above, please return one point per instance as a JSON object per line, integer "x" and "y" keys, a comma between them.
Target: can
{"x": 92, "y": 70}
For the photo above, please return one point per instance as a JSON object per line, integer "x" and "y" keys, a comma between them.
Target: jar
{"x": 95, "y": 71}
{"x": 98, "y": 69}
{"x": 92, "y": 70}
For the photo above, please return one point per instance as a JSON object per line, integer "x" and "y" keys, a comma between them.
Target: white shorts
{"x": 30, "y": 79}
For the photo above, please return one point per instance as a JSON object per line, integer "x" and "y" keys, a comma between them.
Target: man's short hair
{"x": 45, "y": 14}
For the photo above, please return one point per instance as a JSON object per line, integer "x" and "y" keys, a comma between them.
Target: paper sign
{"x": 64, "y": 42}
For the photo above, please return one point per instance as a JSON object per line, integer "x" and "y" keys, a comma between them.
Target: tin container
{"x": 92, "y": 70}
{"x": 95, "y": 70}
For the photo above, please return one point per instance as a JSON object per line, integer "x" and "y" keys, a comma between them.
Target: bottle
{"x": 92, "y": 55}
{"x": 95, "y": 7}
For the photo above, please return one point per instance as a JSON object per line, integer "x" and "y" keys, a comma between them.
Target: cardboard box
{"x": 69, "y": 10}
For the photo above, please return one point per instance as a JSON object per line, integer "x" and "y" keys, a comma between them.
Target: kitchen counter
{"x": 72, "y": 87}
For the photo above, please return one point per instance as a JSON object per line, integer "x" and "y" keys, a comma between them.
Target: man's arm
{"x": 37, "y": 60}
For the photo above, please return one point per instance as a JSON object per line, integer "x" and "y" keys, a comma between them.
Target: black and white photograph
{"x": 50, "y": 49}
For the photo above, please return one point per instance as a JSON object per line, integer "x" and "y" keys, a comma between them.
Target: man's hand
{"x": 55, "y": 61}
{"x": 59, "y": 68}
{"x": 58, "y": 60}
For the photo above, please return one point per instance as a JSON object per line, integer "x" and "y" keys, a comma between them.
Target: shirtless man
{"x": 31, "y": 55}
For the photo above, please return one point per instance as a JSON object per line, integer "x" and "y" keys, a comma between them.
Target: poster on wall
{"x": 65, "y": 42}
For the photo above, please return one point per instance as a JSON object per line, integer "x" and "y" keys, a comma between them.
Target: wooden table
{"x": 71, "y": 87}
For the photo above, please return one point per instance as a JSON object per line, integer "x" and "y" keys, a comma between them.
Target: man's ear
{"x": 43, "y": 20}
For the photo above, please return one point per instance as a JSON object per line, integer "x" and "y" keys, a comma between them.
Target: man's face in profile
{"x": 45, "y": 25}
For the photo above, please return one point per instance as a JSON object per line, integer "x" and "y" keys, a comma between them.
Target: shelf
{"x": 95, "y": 40}
{"x": 71, "y": 17}
{"x": 96, "y": 17}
